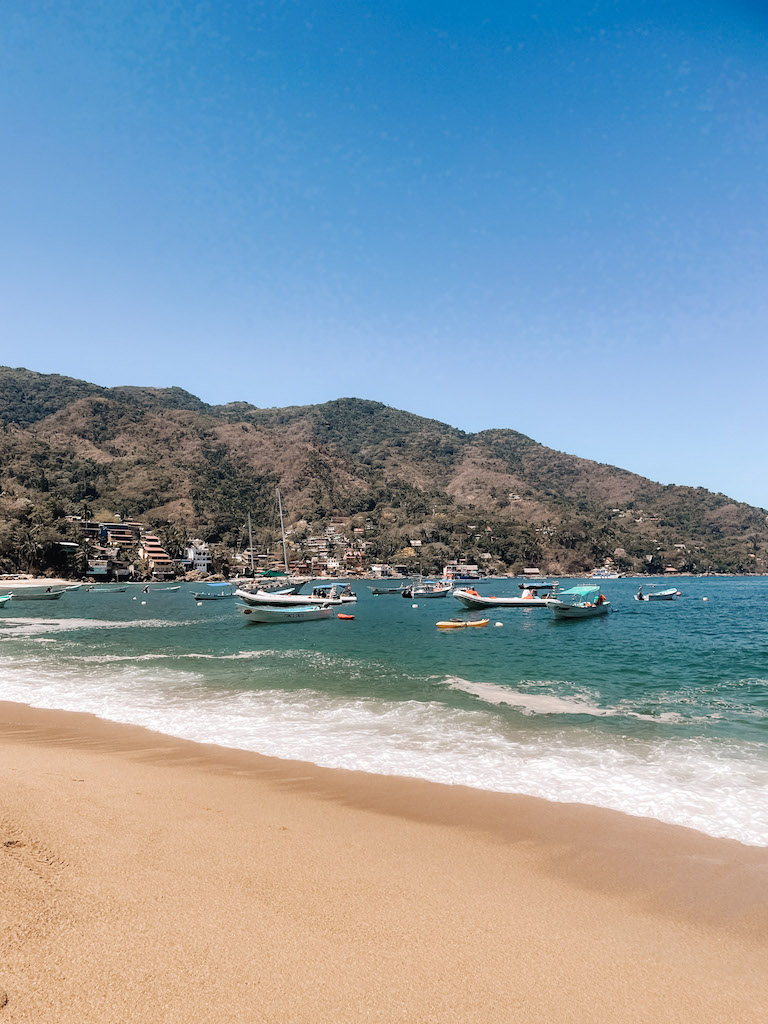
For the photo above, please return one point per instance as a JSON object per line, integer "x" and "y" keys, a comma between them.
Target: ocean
{"x": 657, "y": 709}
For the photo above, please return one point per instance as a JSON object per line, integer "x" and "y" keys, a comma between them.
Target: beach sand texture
{"x": 148, "y": 879}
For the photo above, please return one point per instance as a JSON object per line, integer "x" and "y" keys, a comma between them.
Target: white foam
{"x": 548, "y": 703}
{"x": 716, "y": 787}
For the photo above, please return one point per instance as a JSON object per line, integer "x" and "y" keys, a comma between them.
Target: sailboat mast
{"x": 250, "y": 543}
{"x": 282, "y": 529}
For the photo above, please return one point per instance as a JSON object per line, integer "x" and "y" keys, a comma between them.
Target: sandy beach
{"x": 149, "y": 879}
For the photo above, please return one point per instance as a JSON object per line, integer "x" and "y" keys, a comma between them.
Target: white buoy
{"x": 134, "y": 599}
{"x": 199, "y": 604}
{"x": 414, "y": 606}
{"x": 143, "y": 602}
{"x": 705, "y": 599}
{"x": 498, "y": 623}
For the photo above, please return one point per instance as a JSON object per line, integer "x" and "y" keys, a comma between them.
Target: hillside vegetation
{"x": 163, "y": 456}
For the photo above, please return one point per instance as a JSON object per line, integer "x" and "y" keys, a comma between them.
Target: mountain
{"x": 166, "y": 457}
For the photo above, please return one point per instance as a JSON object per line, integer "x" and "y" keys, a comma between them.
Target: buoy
{"x": 498, "y": 623}
{"x": 414, "y": 606}
{"x": 705, "y": 599}
{"x": 134, "y": 599}
{"x": 144, "y": 602}
{"x": 199, "y": 603}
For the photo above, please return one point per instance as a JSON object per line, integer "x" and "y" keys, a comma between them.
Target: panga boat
{"x": 462, "y": 623}
{"x": 267, "y": 614}
{"x": 426, "y": 590}
{"x": 654, "y": 594}
{"x": 579, "y": 603}
{"x": 4, "y": 599}
{"x": 38, "y": 595}
{"x": 377, "y": 591}
{"x": 319, "y": 596}
{"x": 530, "y": 597}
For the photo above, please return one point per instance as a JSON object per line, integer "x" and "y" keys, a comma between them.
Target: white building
{"x": 198, "y": 555}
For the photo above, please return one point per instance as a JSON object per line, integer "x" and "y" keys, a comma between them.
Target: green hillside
{"x": 163, "y": 456}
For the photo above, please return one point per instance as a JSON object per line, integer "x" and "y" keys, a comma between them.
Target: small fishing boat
{"x": 160, "y": 590}
{"x": 378, "y": 591}
{"x": 441, "y": 588}
{"x": 530, "y": 597}
{"x": 4, "y": 599}
{"x": 266, "y": 614}
{"x": 462, "y": 623}
{"x": 581, "y": 602}
{"x": 320, "y": 596}
{"x": 345, "y": 594}
{"x": 38, "y": 595}
{"x": 101, "y": 588}
{"x": 656, "y": 594}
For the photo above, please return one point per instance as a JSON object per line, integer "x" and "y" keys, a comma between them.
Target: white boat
{"x": 604, "y": 574}
{"x": 581, "y": 602}
{"x": 263, "y": 598}
{"x": 272, "y": 615}
{"x": 28, "y": 594}
{"x": 215, "y": 592}
{"x": 530, "y": 597}
{"x": 345, "y": 594}
{"x": 4, "y": 599}
{"x": 655, "y": 594}
{"x": 424, "y": 590}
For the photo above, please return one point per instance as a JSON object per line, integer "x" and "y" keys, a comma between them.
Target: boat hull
{"x": 261, "y": 598}
{"x": 53, "y": 596}
{"x": 454, "y": 624}
{"x": 266, "y": 615}
{"x": 563, "y": 610}
{"x": 477, "y": 601}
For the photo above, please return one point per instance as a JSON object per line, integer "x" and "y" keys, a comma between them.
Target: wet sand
{"x": 149, "y": 879}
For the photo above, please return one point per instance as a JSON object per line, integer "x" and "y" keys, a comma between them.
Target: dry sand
{"x": 147, "y": 879}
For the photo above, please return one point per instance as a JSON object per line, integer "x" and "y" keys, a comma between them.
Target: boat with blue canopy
{"x": 580, "y": 602}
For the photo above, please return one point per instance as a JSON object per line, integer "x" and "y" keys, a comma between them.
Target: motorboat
{"x": 215, "y": 592}
{"x": 424, "y": 590}
{"x": 378, "y": 591}
{"x": 4, "y": 599}
{"x": 580, "y": 602}
{"x": 325, "y": 592}
{"x": 604, "y": 574}
{"x": 656, "y": 594}
{"x": 530, "y": 597}
{"x": 28, "y": 594}
{"x": 462, "y": 623}
{"x": 263, "y": 598}
{"x": 266, "y": 614}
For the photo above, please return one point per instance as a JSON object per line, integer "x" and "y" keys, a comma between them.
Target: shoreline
{"x": 381, "y": 898}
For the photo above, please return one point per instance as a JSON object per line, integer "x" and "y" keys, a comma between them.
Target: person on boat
{"x": 600, "y": 600}
{"x": 640, "y": 592}
{"x": 146, "y": 589}
{"x": 473, "y": 592}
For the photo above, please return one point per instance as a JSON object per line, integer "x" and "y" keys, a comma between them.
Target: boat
{"x": 530, "y": 597}
{"x": 4, "y": 599}
{"x": 345, "y": 594}
{"x": 655, "y": 594}
{"x": 580, "y": 602}
{"x": 28, "y": 594}
{"x": 604, "y": 574}
{"x": 378, "y": 591}
{"x": 462, "y": 623}
{"x": 268, "y": 614}
{"x": 102, "y": 588}
{"x": 159, "y": 590}
{"x": 442, "y": 588}
{"x": 263, "y": 598}
{"x": 217, "y": 592}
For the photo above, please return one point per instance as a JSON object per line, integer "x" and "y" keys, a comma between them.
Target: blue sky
{"x": 496, "y": 214}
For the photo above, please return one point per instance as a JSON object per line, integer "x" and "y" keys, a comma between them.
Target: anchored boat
{"x": 266, "y": 614}
{"x": 530, "y": 597}
{"x": 579, "y": 603}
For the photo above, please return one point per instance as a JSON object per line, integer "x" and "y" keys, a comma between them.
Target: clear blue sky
{"x": 550, "y": 216}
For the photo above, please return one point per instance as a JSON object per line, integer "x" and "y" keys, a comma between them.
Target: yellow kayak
{"x": 462, "y": 623}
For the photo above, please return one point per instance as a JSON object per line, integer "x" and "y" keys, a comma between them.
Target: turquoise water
{"x": 656, "y": 709}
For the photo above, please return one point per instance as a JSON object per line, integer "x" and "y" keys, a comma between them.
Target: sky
{"x": 550, "y": 216}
